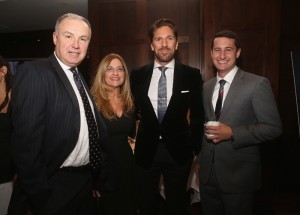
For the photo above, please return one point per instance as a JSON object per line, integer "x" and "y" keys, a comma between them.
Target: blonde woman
{"x": 111, "y": 91}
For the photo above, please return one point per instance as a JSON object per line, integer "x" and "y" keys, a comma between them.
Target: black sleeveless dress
{"x": 122, "y": 200}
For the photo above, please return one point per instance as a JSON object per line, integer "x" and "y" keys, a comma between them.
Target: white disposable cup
{"x": 212, "y": 123}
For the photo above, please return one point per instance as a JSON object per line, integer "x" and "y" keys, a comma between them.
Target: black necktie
{"x": 220, "y": 99}
{"x": 162, "y": 94}
{"x": 95, "y": 147}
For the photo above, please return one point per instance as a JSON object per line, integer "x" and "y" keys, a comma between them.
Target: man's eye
{"x": 229, "y": 50}
{"x": 84, "y": 39}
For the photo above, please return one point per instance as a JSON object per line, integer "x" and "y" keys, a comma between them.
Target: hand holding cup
{"x": 211, "y": 121}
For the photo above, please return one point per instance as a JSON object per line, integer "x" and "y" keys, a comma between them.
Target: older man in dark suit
{"x": 230, "y": 168}
{"x": 56, "y": 128}
{"x": 164, "y": 93}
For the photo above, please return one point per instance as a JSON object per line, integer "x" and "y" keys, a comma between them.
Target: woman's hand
{"x": 131, "y": 142}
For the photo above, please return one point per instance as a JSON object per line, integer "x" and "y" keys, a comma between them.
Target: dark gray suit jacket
{"x": 180, "y": 138}
{"x": 46, "y": 121}
{"x": 251, "y": 111}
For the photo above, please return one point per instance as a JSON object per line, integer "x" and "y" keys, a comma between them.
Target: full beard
{"x": 164, "y": 57}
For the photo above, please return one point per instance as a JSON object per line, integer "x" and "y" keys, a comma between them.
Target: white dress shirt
{"x": 228, "y": 78}
{"x": 153, "y": 88}
{"x": 80, "y": 154}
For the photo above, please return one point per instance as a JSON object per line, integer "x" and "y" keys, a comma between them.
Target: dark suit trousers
{"x": 71, "y": 194}
{"x": 175, "y": 181}
{"x": 216, "y": 202}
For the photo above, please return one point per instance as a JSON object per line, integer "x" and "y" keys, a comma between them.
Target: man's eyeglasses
{"x": 110, "y": 69}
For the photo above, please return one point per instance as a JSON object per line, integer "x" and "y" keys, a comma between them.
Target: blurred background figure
{"x": 6, "y": 163}
{"x": 111, "y": 92}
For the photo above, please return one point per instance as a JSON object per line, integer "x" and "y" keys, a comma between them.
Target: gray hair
{"x": 71, "y": 16}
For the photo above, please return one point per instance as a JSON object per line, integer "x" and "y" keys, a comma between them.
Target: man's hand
{"x": 219, "y": 133}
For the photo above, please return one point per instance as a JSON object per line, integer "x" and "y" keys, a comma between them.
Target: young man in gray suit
{"x": 166, "y": 140}
{"x": 230, "y": 168}
{"x": 54, "y": 123}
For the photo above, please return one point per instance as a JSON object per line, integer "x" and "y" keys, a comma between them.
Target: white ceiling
{"x": 32, "y": 15}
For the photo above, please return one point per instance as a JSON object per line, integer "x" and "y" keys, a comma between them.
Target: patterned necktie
{"x": 162, "y": 94}
{"x": 220, "y": 99}
{"x": 95, "y": 146}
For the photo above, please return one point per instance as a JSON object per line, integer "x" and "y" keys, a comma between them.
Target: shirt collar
{"x": 170, "y": 65}
{"x": 229, "y": 77}
{"x": 64, "y": 66}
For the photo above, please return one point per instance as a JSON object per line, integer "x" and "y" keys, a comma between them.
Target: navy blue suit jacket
{"x": 46, "y": 121}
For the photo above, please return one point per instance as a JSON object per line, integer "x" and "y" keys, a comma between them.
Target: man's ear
{"x": 238, "y": 53}
{"x": 54, "y": 37}
{"x": 152, "y": 48}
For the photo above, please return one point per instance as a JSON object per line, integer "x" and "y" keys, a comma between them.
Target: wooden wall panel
{"x": 121, "y": 26}
{"x": 289, "y": 175}
{"x": 258, "y": 24}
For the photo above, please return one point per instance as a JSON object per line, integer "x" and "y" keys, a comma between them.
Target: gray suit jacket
{"x": 251, "y": 111}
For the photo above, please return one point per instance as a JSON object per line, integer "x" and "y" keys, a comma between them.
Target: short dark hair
{"x": 161, "y": 23}
{"x": 228, "y": 34}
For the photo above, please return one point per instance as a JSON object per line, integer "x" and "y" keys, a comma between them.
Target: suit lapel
{"x": 72, "y": 94}
{"x": 175, "y": 88}
{"x": 148, "y": 76}
{"x": 148, "y": 71}
{"x": 233, "y": 90}
{"x": 176, "y": 81}
{"x": 64, "y": 80}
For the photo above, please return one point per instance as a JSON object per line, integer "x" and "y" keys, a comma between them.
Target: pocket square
{"x": 185, "y": 91}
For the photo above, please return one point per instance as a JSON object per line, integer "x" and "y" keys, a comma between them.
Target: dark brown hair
{"x": 228, "y": 34}
{"x": 161, "y": 23}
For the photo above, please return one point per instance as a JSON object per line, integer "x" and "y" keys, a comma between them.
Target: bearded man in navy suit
{"x": 168, "y": 145}
{"x": 50, "y": 131}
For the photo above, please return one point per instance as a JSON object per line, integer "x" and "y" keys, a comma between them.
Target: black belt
{"x": 84, "y": 168}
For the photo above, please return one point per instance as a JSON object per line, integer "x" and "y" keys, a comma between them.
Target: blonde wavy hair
{"x": 100, "y": 89}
